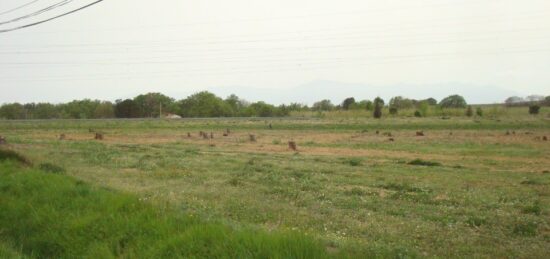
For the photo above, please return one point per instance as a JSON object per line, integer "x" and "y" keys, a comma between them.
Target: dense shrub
{"x": 424, "y": 163}
{"x": 469, "y": 111}
{"x": 378, "y": 105}
{"x": 534, "y": 109}
{"x": 453, "y": 101}
{"x": 479, "y": 111}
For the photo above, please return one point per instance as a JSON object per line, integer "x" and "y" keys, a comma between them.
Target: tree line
{"x": 206, "y": 104}
{"x": 150, "y": 105}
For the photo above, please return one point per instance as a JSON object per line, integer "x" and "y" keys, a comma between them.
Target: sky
{"x": 277, "y": 51}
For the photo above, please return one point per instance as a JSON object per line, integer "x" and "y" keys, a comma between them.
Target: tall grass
{"x": 54, "y": 216}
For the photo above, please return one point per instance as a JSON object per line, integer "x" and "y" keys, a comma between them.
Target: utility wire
{"x": 50, "y": 19}
{"x": 19, "y": 7}
{"x": 41, "y": 11}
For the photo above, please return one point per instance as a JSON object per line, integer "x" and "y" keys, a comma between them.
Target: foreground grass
{"x": 54, "y": 216}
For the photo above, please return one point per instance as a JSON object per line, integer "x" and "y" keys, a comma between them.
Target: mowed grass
{"x": 53, "y": 216}
{"x": 465, "y": 189}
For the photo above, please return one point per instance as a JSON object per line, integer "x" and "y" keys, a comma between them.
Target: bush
{"x": 525, "y": 229}
{"x": 469, "y": 111}
{"x": 354, "y": 162}
{"x": 479, "y": 111}
{"x": 417, "y": 114}
{"x": 533, "y": 209}
{"x": 393, "y": 111}
{"x": 453, "y": 101}
{"x": 378, "y": 104}
{"x": 534, "y": 109}
{"x": 424, "y": 163}
{"x": 51, "y": 168}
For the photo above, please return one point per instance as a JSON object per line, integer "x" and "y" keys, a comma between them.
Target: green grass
{"x": 347, "y": 187}
{"x": 54, "y": 216}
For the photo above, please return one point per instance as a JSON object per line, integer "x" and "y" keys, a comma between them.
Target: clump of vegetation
{"x": 475, "y": 221}
{"x": 532, "y": 182}
{"x": 469, "y": 111}
{"x": 528, "y": 228}
{"x": 534, "y": 109}
{"x": 421, "y": 162}
{"x": 534, "y": 208}
{"x": 453, "y": 101}
{"x": 276, "y": 142}
{"x": 402, "y": 187}
{"x": 378, "y": 105}
{"x": 354, "y": 161}
{"x": 234, "y": 181}
{"x": 417, "y": 114}
{"x": 479, "y": 112}
{"x": 6, "y": 154}
{"x": 51, "y": 168}
{"x": 393, "y": 111}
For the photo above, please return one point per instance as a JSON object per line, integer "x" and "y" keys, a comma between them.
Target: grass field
{"x": 465, "y": 189}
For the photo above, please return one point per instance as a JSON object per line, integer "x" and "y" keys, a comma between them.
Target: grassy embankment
{"x": 50, "y": 215}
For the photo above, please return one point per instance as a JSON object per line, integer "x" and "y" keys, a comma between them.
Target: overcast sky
{"x": 277, "y": 51}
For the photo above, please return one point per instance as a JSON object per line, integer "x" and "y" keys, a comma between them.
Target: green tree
{"x": 260, "y": 109}
{"x": 204, "y": 104}
{"x": 400, "y": 102}
{"x": 323, "y": 105}
{"x": 150, "y": 104}
{"x": 126, "y": 109}
{"x": 453, "y": 101}
{"x": 369, "y": 105}
{"x": 347, "y": 103}
{"x": 46, "y": 111}
{"x": 12, "y": 111}
{"x": 431, "y": 101}
{"x": 378, "y": 105}
{"x": 104, "y": 110}
{"x": 237, "y": 104}
{"x": 79, "y": 109}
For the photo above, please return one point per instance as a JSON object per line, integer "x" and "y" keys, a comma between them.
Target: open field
{"x": 465, "y": 189}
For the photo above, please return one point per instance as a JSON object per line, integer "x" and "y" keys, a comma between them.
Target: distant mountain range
{"x": 338, "y": 91}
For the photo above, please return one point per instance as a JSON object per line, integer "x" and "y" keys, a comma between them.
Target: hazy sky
{"x": 278, "y": 51}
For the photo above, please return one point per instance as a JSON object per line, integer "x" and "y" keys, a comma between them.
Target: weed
{"x": 476, "y": 221}
{"x": 354, "y": 161}
{"x": 528, "y": 228}
{"x": 51, "y": 168}
{"x": 532, "y": 182}
{"x": 421, "y": 162}
{"x": 534, "y": 208}
{"x": 402, "y": 187}
{"x": 235, "y": 181}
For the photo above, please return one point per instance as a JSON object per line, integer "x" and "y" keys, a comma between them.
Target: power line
{"x": 50, "y": 19}
{"x": 19, "y": 7}
{"x": 293, "y": 66}
{"x": 41, "y": 11}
